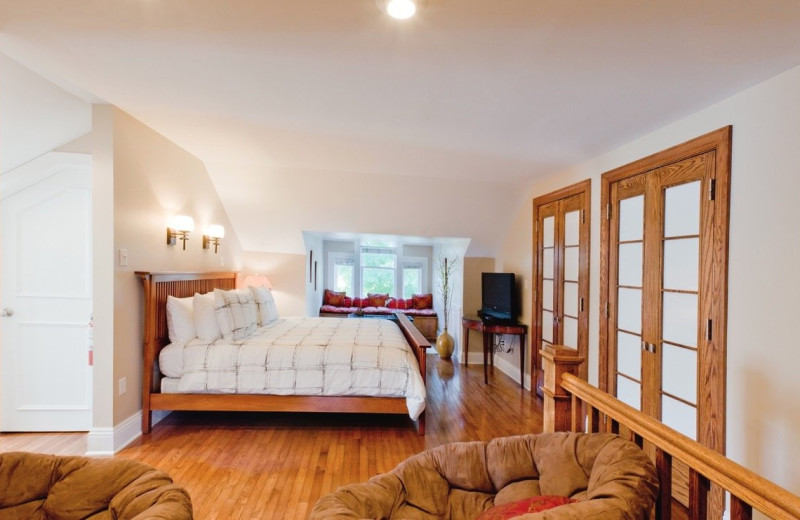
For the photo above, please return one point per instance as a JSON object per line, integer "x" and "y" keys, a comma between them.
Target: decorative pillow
{"x": 409, "y": 303}
{"x": 180, "y": 319}
{"x": 524, "y": 506}
{"x": 267, "y": 311}
{"x": 360, "y": 302}
{"x": 377, "y": 300}
{"x": 236, "y": 313}
{"x": 348, "y": 302}
{"x": 422, "y": 301}
{"x": 333, "y": 298}
{"x": 205, "y": 317}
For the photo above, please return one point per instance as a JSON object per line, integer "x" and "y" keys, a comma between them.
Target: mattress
{"x": 301, "y": 356}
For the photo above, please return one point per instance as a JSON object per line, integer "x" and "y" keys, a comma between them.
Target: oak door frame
{"x": 585, "y": 188}
{"x": 711, "y": 360}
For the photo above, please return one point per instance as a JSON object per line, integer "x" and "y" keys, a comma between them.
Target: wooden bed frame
{"x": 159, "y": 285}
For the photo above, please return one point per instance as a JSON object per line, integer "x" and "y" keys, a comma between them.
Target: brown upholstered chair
{"x": 610, "y": 478}
{"x": 36, "y": 486}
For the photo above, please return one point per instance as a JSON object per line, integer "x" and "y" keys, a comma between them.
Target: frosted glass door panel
{"x": 549, "y": 232}
{"x": 630, "y": 310}
{"x": 629, "y": 392}
{"x": 572, "y": 223}
{"x": 679, "y": 323}
{"x": 571, "y": 332}
{"x": 681, "y": 264}
{"x": 547, "y": 264}
{"x": 682, "y": 210}
{"x": 679, "y": 372}
{"x": 629, "y": 355}
{"x": 679, "y": 416}
{"x": 571, "y": 264}
{"x": 630, "y": 264}
{"x": 547, "y": 295}
{"x": 547, "y": 326}
{"x": 631, "y": 218}
{"x": 571, "y": 298}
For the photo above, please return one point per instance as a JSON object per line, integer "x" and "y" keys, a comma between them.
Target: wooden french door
{"x": 664, "y": 285}
{"x": 561, "y": 273}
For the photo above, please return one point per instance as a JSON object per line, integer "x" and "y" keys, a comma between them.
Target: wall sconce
{"x": 213, "y": 233}
{"x": 179, "y": 230}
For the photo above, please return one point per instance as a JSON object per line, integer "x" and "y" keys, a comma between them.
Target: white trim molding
{"x": 105, "y": 442}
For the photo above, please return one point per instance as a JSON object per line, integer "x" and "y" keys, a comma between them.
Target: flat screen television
{"x": 498, "y": 296}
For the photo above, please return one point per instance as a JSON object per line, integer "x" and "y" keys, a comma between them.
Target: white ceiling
{"x": 295, "y": 104}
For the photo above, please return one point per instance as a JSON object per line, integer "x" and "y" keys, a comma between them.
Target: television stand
{"x": 488, "y": 328}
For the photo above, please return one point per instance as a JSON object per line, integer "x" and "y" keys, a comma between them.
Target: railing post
{"x": 558, "y": 360}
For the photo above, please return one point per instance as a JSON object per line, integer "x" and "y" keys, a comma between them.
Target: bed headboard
{"x": 157, "y": 286}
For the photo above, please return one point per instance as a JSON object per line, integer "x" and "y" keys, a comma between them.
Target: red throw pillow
{"x": 333, "y": 298}
{"x": 378, "y": 300}
{"x": 358, "y": 302}
{"x": 348, "y": 302}
{"x": 524, "y": 506}
{"x": 392, "y": 303}
{"x": 422, "y": 301}
{"x": 409, "y": 303}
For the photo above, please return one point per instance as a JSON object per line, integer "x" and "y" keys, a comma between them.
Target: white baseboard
{"x": 501, "y": 364}
{"x": 105, "y": 442}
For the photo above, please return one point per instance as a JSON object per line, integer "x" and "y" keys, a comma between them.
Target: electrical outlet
{"x": 123, "y": 257}
{"x": 123, "y": 383}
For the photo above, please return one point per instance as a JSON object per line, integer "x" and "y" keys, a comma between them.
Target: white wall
{"x": 763, "y": 414}
{"x": 36, "y": 115}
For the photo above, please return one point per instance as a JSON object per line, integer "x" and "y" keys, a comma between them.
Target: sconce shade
{"x": 401, "y": 9}
{"x": 216, "y": 231}
{"x": 183, "y": 223}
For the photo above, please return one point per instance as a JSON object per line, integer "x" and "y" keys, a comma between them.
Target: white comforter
{"x": 303, "y": 356}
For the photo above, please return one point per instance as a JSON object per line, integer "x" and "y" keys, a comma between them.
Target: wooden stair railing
{"x": 590, "y": 409}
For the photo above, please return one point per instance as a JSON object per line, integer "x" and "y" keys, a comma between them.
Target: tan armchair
{"x": 609, "y": 477}
{"x": 36, "y": 486}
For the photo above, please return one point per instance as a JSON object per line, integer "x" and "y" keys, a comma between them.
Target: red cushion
{"x": 377, "y": 300}
{"x": 524, "y": 506}
{"x": 348, "y": 301}
{"x": 409, "y": 303}
{"x": 333, "y": 298}
{"x": 422, "y": 301}
{"x": 360, "y": 302}
{"x": 396, "y": 303}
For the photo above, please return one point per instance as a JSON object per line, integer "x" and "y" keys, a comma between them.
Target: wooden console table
{"x": 489, "y": 329}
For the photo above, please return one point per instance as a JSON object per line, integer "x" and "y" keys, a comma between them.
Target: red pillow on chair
{"x": 524, "y": 506}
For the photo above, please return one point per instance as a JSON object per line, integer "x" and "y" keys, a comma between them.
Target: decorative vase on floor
{"x": 444, "y": 345}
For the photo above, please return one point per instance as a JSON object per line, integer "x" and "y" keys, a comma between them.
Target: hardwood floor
{"x": 255, "y": 465}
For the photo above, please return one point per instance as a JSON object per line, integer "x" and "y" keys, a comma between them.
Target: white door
{"x": 46, "y": 300}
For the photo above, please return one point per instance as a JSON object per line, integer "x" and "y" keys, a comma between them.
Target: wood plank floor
{"x": 254, "y": 465}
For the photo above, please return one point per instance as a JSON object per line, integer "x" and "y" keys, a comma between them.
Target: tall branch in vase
{"x": 446, "y": 267}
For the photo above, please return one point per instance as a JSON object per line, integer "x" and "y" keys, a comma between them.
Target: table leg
{"x": 465, "y": 336}
{"x": 522, "y": 360}
{"x": 485, "y": 352}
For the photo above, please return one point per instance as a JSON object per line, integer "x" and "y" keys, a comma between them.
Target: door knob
{"x": 7, "y": 311}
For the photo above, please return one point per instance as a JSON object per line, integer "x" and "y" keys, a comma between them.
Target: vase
{"x": 444, "y": 345}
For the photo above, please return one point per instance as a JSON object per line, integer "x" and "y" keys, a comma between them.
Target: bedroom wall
{"x": 763, "y": 417}
{"x": 153, "y": 180}
{"x": 286, "y": 273}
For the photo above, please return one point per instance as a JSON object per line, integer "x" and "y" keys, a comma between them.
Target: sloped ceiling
{"x": 325, "y": 115}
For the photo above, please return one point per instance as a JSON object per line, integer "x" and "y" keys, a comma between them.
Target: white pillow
{"x": 236, "y": 313}
{"x": 267, "y": 310}
{"x": 205, "y": 318}
{"x": 180, "y": 320}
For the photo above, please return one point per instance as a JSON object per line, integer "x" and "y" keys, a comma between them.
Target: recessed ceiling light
{"x": 401, "y": 9}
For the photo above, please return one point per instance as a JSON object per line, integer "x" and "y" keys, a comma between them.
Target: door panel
{"x": 47, "y": 282}
{"x": 561, "y": 271}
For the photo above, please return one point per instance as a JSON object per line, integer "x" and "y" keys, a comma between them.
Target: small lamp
{"x": 398, "y": 9}
{"x": 214, "y": 233}
{"x": 180, "y": 228}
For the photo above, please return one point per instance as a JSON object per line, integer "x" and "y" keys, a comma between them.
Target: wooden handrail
{"x": 760, "y": 493}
